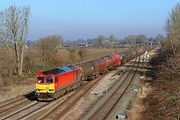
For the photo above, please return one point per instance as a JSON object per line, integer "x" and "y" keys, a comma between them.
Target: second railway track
{"x": 107, "y": 106}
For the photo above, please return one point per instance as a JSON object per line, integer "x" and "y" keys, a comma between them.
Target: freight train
{"x": 52, "y": 84}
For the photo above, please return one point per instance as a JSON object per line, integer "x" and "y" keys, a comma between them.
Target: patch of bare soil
{"x": 137, "y": 107}
{"x": 16, "y": 90}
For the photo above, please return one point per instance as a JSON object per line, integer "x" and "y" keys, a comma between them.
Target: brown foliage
{"x": 72, "y": 53}
{"x": 47, "y": 49}
{"x": 164, "y": 102}
{"x": 7, "y": 68}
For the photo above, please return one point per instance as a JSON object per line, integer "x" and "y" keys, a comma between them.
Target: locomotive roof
{"x": 60, "y": 70}
{"x": 54, "y": 71}
{"x": 72, "y": 66}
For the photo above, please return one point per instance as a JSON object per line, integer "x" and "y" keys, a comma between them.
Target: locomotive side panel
{"x": 66, "y": 80}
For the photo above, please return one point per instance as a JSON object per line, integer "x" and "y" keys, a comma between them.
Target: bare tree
{"x": 72, "y": 52}
{"x": 100, "y": 41}
{"x": 141, "y": 39}
{"x": 13, "y": 32}
{"x": 48, "y": 48}
{"x": 173, "y": 28}
{"x": 131, "y": 40}
{"x": 112, "y": 40}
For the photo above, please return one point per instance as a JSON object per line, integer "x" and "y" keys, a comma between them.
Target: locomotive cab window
{"x": 49, "y": 80}
{"x": 40, "y": 79}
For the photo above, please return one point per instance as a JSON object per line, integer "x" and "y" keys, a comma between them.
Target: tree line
{"x": 112, "y": 41}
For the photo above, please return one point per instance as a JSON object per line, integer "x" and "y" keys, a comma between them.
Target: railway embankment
{"x": 159, "y": 95}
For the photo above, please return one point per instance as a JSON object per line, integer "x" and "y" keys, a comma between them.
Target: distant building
{"x": 83, "y": 45}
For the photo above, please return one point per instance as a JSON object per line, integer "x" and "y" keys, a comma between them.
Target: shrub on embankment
{"x": 163, "y": 103}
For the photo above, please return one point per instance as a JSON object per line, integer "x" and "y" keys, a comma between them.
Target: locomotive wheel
{"x": 55, "y": 96}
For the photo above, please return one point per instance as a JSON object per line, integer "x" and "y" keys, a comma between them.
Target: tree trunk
{"x": 21, "y": 61}
{"x": 17, "y": 56}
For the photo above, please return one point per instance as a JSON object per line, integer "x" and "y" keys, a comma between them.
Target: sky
{"x": 76, "y": 19}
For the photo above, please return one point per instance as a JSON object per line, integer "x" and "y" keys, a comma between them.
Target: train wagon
{"x": 96, "y": 65}
{"x": 88, "y": 70}
{"x": 124, "y": 57}
{"x": 116, "y": 60}
{"x": 51, "y": 84}
{"x": 109, "y": 61}
{"x": 103, "y": 65}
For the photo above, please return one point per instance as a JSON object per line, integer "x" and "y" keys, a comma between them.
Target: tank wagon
{"x": 54, "y": 83}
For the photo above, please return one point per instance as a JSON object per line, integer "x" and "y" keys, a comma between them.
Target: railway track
{"x": 59, "y": 110}
{"x": 46, "y": 110}
{"x": 15, "y": 104}
{"x": 31, "y": 109}
{"x": 20, "y": 113}
{"x": 105, "y": 109}
{"x": 11, "y": 104}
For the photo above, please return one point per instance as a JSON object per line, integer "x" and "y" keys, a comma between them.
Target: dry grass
{"x": 15, "y": 91}
{"x": 137, "y": 106}
{"x": 17, "y": 88}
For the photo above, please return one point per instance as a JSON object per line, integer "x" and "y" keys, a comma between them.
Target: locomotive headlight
{"x": 37, "y": 89}
{"x": 51, "y": 89}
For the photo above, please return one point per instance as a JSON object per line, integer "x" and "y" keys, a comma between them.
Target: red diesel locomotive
{"x": 52, "y": 84}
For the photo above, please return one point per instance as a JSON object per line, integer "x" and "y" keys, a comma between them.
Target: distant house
{"x": 83, "y": 45}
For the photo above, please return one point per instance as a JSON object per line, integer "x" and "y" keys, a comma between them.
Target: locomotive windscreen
{"x": 49, "y": 80}
{"x": 40, "y": 79}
